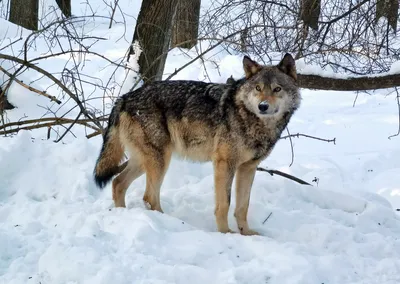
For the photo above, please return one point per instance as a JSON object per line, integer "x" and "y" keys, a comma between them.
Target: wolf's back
{"x": 112, "y": 150}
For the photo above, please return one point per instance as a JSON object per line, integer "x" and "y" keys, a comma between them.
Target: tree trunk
{"x": 65, "y": 7}
{"x": 388, "y": 9}
{"x": 186, "y": 24}
{"x": 153, "y": 33}
{"x": 309, "y": 12}
{"x": 25, "y": 13}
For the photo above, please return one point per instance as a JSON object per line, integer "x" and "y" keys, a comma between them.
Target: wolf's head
{"x": 270, "y": 90}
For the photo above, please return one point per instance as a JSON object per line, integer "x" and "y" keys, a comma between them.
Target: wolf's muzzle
{"x": 263, "y": 106}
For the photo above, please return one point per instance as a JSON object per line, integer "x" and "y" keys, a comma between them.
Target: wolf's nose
{"x": 263, "y": 106}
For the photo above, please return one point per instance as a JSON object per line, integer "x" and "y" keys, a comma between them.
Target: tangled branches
{"x": 25, "y": 61}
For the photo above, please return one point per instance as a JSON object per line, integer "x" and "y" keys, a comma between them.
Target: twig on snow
{"x": 279, "y": 173}
{"x": 297, "y": 135}
{"x": 267, "y": 218}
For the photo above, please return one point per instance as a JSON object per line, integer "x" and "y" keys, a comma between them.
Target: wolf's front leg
{"x": 223, "y": 177}
{"x": 244, "y": 180}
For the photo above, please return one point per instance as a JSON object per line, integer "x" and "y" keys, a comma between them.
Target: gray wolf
{"x": 235, "y": 126}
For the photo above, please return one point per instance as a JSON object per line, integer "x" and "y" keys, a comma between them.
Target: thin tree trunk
{"x": 186, "y": 24}
{"x": 25, "y": 13}
{"x": 65, "y": 7}
{"x": 153, "y": 33}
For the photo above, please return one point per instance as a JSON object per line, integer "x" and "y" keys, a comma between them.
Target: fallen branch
{"x": 279, "y": 173}
{"x": 363, "y": 83}
{"x": 52, "y": 98}
{"x": 45, "y": 122}
{"x": 271, "y": 172}
{"x": 93, "y": 134}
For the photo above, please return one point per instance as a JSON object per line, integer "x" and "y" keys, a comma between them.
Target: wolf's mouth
{"x": 269, "y": 112}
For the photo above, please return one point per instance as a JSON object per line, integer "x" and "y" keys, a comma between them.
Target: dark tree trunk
{"x": 25, "y": 13}
{"x": 65, "y": 7}
{"x": 186, "y": 24}
{"x": 309, "y": 12}
{"x": 388, "y": 9}
{"x": 153, "y": 33}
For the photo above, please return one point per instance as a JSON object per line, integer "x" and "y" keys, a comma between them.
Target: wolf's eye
{"x": 258, "y": 88}
{"x": 277, "y": 89}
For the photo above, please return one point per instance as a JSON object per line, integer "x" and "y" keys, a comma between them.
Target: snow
{"x": 57, "y": 227}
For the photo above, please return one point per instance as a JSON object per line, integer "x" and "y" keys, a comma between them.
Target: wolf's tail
{"x": 112, "y": 150}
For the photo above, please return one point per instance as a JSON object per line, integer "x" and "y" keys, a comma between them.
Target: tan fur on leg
{"x": 121, "y": 183}
{"x": 244, "y": 180}
{"x": 156, "y": 166}
{"x": 223, "y": 178}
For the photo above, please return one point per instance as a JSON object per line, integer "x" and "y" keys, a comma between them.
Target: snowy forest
{"x": 325, "y": 202}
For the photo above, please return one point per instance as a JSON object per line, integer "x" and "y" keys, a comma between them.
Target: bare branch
{"x": 297, "y": 135}
{"x": 56, "y": 81}
{"x": 349, "y": 84}
{"x": 30, "y": 88}
{"x": 45, "y": 122}
{"x": 279, "y": 173}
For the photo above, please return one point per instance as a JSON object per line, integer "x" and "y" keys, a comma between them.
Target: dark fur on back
{"x": 177, "y": 99}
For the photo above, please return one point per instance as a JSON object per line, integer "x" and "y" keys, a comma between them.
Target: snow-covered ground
{"x": 57, "y": 227}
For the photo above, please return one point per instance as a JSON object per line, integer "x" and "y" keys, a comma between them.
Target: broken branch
{"x": 30, "y": 88}
{"x": 297, "y": 135}
{"x": 279, "y": 173}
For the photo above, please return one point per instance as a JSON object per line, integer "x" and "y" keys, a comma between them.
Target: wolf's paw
{"x": 227, "y": 231}
{"x": 248, "y": 232}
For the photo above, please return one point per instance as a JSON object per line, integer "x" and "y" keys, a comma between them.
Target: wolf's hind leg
{"x": 244, "y": 180}
{"x": 121, "y": 183}
{"x": 156, "y": 165}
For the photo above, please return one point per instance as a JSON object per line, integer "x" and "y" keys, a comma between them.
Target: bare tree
{"x": 186, "y": 24}
{"x": 25, "y": 13}
{"x": 65, "y": 7}
{"x": 153, "y": 34}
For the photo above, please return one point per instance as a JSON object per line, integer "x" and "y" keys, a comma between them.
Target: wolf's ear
{"x": 288, "y": 66}
{"x": 250, "y": 67}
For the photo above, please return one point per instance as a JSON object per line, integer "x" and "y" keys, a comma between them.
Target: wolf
{"x": 235, "y": 126}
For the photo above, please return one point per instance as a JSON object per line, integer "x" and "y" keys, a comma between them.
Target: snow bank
{"x": 56, "y": 227}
